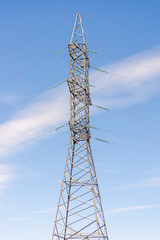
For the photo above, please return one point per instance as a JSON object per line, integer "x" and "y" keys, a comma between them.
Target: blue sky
{"x": 126, "y": 36}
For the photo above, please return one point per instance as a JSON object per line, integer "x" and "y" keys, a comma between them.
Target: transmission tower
{"x": 79, "y": 213}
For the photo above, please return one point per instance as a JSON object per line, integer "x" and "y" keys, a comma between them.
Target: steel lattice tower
{"x": 79, "y": 213}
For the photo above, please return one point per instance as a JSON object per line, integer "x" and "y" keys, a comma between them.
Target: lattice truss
{"x": 79, "y": 213}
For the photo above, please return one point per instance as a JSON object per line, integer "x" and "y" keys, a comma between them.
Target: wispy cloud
{"x": 6, "y": 98}
{"x": 132, "y": 78}
{"x": 5, "y": 177}
{"x": 32, "y": 121}
{"x": 132, "y": 208}
{"x": 18, "y": 218}
{"x": 148, "y": 182}
{"x": 50, "y": 210}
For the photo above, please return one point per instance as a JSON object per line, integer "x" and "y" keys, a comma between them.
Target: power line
{"x": 125, "y": 145}
{"x": 126, "y": 114}
{"x": 123, "y": 60}
{"x": 52, "y": 55}
{"x": 31, "y": 158}
{"x": 31, "y": 39}
{"x": 27, "y": 141}
{"x": 119, "y": 75}
{"x": 120, "y": 23}
{"x": 124, "y": 134}
{"x": 32, "y": 129}
{"x": 32, "y": 95}
{"x": 65, "y": 114}
{"x": 37, "y": 93}
{"x": 53, "y": 149}
{"x": 27, "y": 68}
{"x": 51, "y": 131}
{"x": 28, "y": 97}
{"x": 46, "y": 123}
{"x": 127, "y": 94}
{"x": 30, "y": 67}
{"x": 100, "y": 107}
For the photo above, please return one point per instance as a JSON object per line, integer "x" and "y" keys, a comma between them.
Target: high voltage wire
{"x": 46, "y": 123}
{"x": 66, "y": 114}
{"x": 123, "y": 60}
{"x": 32, "y": 129}
{"x": 125, "y": 145}
{"x": 50, "y": 131}
{"x": 27, "y": 68}
{"x": 124, "y": 134}
{"x": 119, "y": 75}
{"x": 32, "y": 66}
{"x": 90, "y": 85}
{"x": 30, "y": 140}
{"x": 37, "y": 93}
{"x": 28, "y": 97}
{"x": 68, "y": 18}
{"x": 119, "y": 92}
{"x": 109, "y": 110}
{"x": 102, "y": 140}
{"x": 56, "y": 53}
{"x": 32, "y": 95}
{"x": 98, "y": 139}
{"x": 31, "y": 158}
{"x": 30, "y": 40}
{"x": 126, "y": 114}
{"x": 124, "y": 24}
{"x": 53, "y": 149}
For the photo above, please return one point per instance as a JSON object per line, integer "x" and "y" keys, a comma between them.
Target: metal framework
{"x": 79, "y": 213}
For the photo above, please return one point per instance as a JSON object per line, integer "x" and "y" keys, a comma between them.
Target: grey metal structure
{"x": 79, "y": 213}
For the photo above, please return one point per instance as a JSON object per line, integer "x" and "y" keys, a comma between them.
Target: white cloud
{"x": 132, "y": 208}
{"x": 50, "y": 210}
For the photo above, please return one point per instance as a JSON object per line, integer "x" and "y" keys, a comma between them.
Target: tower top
{"x": 78, "y": 35}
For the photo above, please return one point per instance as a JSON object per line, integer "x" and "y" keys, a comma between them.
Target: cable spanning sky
{"x": 123, "y": 39}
